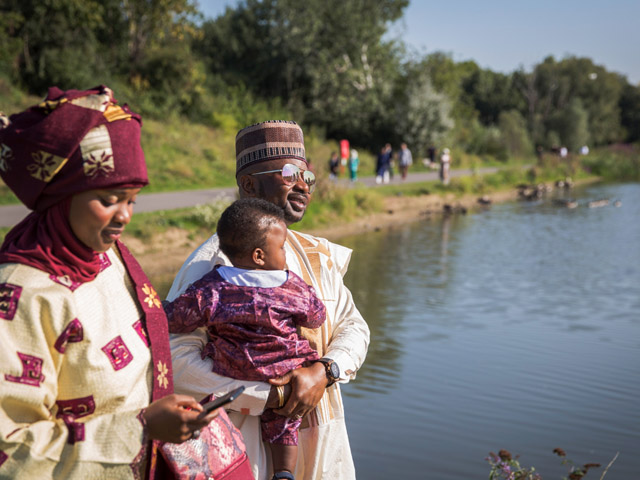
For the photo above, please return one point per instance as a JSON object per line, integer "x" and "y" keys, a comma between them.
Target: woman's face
{"x": 98, "y": 217}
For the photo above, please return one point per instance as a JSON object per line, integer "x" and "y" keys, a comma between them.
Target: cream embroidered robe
{"x": 75, "y": 374}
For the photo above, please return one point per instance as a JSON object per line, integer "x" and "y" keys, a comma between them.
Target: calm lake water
{"x": 517, "y": 328}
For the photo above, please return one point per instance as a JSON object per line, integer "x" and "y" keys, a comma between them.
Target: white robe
{"x": 323, "y": 449}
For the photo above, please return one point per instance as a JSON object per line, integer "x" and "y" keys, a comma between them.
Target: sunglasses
{"x": 292, "y": 173}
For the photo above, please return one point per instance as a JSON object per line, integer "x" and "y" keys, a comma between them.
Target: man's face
{"x": 293, "y": 199}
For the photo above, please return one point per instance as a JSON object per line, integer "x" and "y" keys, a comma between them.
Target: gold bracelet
{"x": 280, "y": 389}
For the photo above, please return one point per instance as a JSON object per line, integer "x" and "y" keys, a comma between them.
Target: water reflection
{"x": 378, "y": 276}
{"x": 513, "y": 328}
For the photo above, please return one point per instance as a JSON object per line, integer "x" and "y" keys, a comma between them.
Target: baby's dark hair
{"x": 243, "y": 226}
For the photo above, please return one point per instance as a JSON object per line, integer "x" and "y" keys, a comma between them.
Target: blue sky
{"x": 505, "y": 35}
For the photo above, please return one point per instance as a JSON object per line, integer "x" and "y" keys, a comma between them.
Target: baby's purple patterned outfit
{"x": 252, "y": 333}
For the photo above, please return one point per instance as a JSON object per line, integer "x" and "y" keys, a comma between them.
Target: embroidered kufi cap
{"x": 270, "y": 140}
{"x": 71, "y": 142}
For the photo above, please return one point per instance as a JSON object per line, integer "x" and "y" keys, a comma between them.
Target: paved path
{"x": 150, "y": 202}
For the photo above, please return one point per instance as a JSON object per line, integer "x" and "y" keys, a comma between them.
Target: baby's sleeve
{"x": 316, "y": 311}
{"x": 193, "y": 309}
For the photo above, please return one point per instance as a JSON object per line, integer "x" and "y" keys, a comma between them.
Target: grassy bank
{"x": 182, "y": 155}
{"x": 334, "y": 206}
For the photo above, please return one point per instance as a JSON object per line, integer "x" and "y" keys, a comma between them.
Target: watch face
{"x": 335, "y": 370}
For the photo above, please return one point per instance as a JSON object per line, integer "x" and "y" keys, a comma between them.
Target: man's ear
{"x": 247, "y": 186}
{"x": 258, "y": 257}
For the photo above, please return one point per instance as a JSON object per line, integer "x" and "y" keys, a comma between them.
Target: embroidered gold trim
{"x": 312, "y": 270}
{"x": 115, "y": 112}
{"x": 45, "y": 165}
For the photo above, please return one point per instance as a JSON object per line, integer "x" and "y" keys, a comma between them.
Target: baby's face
{"x": 275, "y": 258}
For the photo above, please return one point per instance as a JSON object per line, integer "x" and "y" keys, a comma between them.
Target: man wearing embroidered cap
{"x": 277, "y": 144}
{"x": 85, "y": 364}
{"x": 271, "y": 164}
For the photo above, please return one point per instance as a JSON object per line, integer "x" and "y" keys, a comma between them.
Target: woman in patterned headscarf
{"x": 86, "y": 379}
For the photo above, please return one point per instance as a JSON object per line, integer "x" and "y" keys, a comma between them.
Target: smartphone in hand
{"x": 223, "y": 400}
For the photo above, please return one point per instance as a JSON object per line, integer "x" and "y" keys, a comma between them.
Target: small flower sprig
{"x": 506, "y": 467}
{"x": 575, "y": 473}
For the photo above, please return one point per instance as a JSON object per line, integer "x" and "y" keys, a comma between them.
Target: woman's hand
{"x": 307, "y": 387}
{"x": 174, "y": 418}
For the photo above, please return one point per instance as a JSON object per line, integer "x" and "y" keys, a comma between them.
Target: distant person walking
{"x": 383, "y": 164}
{"x": 344, "y": 154}
{"x": 354, "y": 162}
{"x": 405, "y": 160}
{"x": 563, "y": 152}
{"x": 334, "y": 166}
{"x": 431, "y": 154}
{"x": 445, "y": 163}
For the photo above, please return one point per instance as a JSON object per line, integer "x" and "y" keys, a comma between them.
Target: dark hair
{"x": 243, "y": 226}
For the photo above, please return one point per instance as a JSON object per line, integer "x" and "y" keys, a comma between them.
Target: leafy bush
{"x": 339, "y": 205}
{"x": 514, "y": 135}
{"x": 618, "y": 162}
{"x": 201, "y": 219}
{"x": 207, "y": 216}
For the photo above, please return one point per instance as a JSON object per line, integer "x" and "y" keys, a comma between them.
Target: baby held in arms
{"x": 251, "y": 311}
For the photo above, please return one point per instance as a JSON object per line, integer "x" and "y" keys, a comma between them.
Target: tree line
{"x": 329, "y": 64}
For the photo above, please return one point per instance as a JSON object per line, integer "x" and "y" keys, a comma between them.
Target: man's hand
{"x": 307, "y": 387}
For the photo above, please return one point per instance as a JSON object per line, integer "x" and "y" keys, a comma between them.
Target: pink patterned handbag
{"x": 218, "y": 453}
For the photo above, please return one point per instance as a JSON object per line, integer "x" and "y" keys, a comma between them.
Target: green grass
{"x": 198, "y": 221}
{"x": 617, "y": 162}
{"x": 459, "y": 186}
{"x": 3, "y": 233}
{"x": 185, "y": 156}
{"x": 334, "y": 205}
{"x": 7, "y": 197}
{"x": 338, "y": 206}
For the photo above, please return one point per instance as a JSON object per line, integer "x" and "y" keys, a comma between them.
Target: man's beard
{"x": 289, "y": 216}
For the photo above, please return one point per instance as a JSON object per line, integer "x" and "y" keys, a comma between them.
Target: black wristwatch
{"x": 331, "y": 369}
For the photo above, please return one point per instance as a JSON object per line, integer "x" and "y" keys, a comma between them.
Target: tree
{"x": 630, "y": 112}
{"x": 571, "y": 125}
{"x": 324, "y": 58}
{"x": 10, "y": 42}
{"x": 155, "y": 23}
{"x": 491, "y": 94}
{"x": 423, "y": 115}
{"x": 552, "y": 87}
{"x": 449, "y": 77}
{"x": 514, "y": 134}
{"x": 57, "y": 40}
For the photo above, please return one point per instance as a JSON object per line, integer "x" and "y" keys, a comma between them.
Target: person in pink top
{"x": 252, "y": 311}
